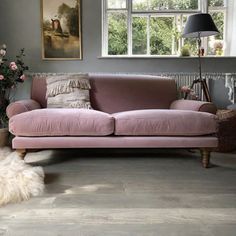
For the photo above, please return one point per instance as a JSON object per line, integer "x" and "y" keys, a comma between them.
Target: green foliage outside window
{"x": 117, "y": 34}
{"x": 218, "y": 18}
{"x": 161, "y": 30}
{"x": 165, "y": 4}
{"x": 216, "y": 3}
{"x": 139, "y": 25}
{"x": 164, "y": 33}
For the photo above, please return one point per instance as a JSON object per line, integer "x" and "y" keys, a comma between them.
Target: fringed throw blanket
{"x": 68, "y": 91}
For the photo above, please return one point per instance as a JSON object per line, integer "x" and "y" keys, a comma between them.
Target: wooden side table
{"x": 227, "y": 130}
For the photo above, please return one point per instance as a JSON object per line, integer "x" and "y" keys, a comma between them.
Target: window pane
{"x": 183, "y": 4}
{"x": 116, "y": 4}
{"x": 141, "y": 5}
{"x": 218, "y": 18}
{"x": 174, "y": 4}
{"x": 117, "y": 33}
{"x": 161, "y": 35}
{"x": 139, "y": 25}
{"x": 216, "y": 3}
{"x": 216, "y": 43}
{"x": 165, "y": 4}
{"x": 190, "y": 43}
{"x": 177, "y": 32}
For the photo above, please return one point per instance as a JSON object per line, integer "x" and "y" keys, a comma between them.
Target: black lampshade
{"x": 200, "y": 25}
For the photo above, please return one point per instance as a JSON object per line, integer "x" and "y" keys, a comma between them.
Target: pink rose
{"x": 13, "y": 66}
{"x": 185, "y": 89}
{"x": 23, "y": 77}
{"x": 1, "y": 77}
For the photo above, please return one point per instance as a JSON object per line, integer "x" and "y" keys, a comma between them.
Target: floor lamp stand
{"x": 204, "y": 87}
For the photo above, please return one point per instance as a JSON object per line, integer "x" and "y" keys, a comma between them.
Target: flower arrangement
{"x": 11, "y": 73}
{"x": 218, "y": 47}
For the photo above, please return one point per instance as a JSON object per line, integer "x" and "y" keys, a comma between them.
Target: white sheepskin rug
{"x": 18, "y": 181}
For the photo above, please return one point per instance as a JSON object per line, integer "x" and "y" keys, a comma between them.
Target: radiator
{"x": 187, "y": 79}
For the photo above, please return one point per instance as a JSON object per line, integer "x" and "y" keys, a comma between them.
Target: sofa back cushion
{"x": 119, "y": 92}
{"x": 115, "y": 93}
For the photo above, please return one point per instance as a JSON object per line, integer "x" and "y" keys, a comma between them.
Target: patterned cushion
{"x": 68, "y": 91}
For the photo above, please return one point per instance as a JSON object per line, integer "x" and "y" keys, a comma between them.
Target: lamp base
{"x": 204, "y": 89}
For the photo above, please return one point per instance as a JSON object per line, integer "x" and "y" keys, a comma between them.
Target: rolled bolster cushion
{"x": 22, "y": 106}
{"x": 194, "y": 106}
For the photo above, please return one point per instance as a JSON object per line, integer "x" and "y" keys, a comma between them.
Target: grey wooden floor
{"x": 128, "y": 192}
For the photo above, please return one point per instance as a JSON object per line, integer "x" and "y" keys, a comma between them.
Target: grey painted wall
{"x": 20, "y": 27}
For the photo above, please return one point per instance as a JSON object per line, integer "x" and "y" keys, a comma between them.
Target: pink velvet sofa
{"x": 129, "y": 111}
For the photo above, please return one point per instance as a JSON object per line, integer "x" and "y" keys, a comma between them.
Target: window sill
{"x": 161, "y": 57}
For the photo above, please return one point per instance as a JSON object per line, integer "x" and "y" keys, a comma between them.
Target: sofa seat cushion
{"x": 62, "y": 122}
{"x": 165, "y": 122}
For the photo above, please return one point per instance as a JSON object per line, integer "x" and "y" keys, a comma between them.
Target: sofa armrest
{"x": 194, "y": 106}
{"x": 22, "y": 106}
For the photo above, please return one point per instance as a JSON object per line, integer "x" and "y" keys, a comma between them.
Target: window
{"x": 217, "y": 9}
{"x": 154, "y": 27}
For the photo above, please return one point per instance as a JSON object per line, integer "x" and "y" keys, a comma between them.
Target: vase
{"x": 4, "y": 135}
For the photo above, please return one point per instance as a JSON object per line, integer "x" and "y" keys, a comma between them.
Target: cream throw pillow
{"x": 68, "y": 91}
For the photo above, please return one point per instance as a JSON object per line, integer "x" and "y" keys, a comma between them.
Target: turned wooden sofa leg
{"x": 206, "y": 154}
{"x": 21, "y": 153}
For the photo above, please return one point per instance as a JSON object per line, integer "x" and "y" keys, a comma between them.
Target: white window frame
{"x": 202, "y": 7}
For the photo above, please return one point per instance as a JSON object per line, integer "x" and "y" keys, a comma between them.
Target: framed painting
{"x": 61, "y": 29}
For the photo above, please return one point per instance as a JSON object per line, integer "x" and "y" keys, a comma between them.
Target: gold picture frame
{"x": 61, "y": 29}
